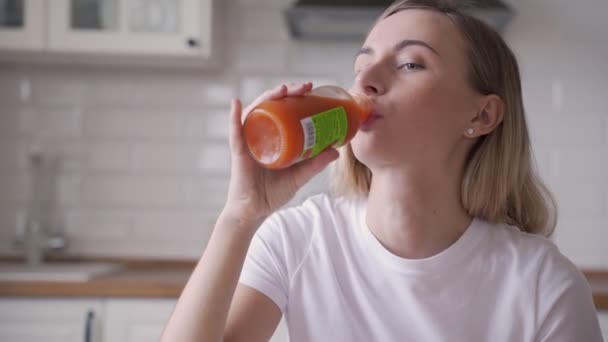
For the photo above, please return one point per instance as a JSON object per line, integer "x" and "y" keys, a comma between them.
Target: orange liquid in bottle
{"x": 280, "y": 133}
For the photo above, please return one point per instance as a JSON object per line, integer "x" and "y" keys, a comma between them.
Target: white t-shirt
{"x": 334, "y": 281}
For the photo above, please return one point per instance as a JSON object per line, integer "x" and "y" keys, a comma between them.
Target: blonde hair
{"x": 500, "y": 183}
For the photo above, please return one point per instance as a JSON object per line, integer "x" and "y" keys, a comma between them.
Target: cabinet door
{"x": 136, "y": 320}
{"x": 21, "y": 24}
{"x": 143, "y": 320}
{"x": 50, "y": 320}
{"x": 603, "y": 316}
{"x": 140, "y": 27}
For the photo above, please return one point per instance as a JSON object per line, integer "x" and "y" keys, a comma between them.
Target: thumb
{"x": 236, "y": 140}
{"x": 305, "y": 170}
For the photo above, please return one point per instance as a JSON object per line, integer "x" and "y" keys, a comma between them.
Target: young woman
{"x": 436, "y": 234}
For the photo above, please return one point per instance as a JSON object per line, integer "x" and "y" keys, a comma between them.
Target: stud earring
{"x": 470, "y": 131}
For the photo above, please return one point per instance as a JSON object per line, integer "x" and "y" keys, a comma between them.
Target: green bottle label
{"x": 324, "y": 129}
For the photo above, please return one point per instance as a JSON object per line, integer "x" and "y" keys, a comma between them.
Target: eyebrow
{"x": 399, "y": 46}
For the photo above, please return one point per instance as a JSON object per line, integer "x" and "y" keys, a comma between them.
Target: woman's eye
{"x": 410, "y": 66}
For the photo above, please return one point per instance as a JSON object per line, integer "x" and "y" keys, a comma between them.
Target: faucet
{"x": 32, "y": 235}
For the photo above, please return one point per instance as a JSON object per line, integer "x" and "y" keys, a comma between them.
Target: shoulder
{"x": 292, "y": 230}
{"x": 537, "y": 261}
{"x": 315, "y": 211}
{"x": 510, "y": 243}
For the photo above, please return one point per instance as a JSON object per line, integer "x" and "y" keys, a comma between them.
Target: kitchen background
{"x": 135, "y": 160}
{"x": 141, "y": 155}
{"x": 142, "y": 160}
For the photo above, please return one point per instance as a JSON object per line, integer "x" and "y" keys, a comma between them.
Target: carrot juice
{"x": 280, "y": 133}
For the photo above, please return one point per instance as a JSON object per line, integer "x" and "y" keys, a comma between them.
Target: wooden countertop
{"x": 134, "y": 279}
{"x": 599, "y": 286}
{"x": 167, "y": 279}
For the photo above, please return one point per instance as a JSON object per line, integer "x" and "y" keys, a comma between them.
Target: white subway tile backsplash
{"x": 542, "y": 156}
{"x": 214, "y": 157}
{"x": 11, "y": 87}
{"x": 257, "y": 24}
{"x": 68, "y": 190}
{"x": 267, "y": 56}
{"x": 178, "y": 226}
{"x": 217, "y": 125}
{"x": 582, "y": 164}
{"x": 219, "y": 93}
{"x": 583, "y": 240}
{"x": 103, "y": 156}
{"x": 580, "y": 198}
{"x": 196, "y": 126}
{"x": 276, "y": 3}
{"x": 254, "y": 86}
{"x": 125, "y": 248}
{"x": 212, "y": 124}
{"x": 136, "y": 191}
{"x": 149, "y": 157}
{"x": 9, "y": 155}
{"x": 95, "y": 225}
{"x": 566, "y": 130}
{"x": 207, "y": 193}
{"x": 8, "y": 221}
{"x": 67, "y": 155}
{"x": 59, "y": 88}
{"x": 331, "y": 58}
{"x": 14, "y": 188}
{"x": 13, "y": 120}
{"x": 606, "y": 128}
{"x": 132, "y": 124}
{"x": 148, "y": 89}
{"x": 58, "y": 122}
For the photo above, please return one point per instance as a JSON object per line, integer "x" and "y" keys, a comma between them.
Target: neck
{"x": 416, "y": 213}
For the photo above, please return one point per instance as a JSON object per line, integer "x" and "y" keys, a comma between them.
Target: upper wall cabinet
{"x": 108, "y": 28}
{"x": 157, "y": 27}
{"x": 22, "y": 24}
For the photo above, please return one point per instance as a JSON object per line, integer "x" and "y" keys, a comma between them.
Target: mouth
{"x": 373, "y": 117}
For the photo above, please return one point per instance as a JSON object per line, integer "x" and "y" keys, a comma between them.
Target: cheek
{"x": 430, "y": 106}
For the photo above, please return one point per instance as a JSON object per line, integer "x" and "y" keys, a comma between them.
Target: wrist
{"x": 240, "y": 221}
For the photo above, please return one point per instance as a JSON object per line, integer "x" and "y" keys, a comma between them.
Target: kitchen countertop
{"x": 134, "y": 279}
{"x": 167, "y": 279}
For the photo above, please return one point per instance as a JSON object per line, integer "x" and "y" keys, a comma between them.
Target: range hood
{"x": 351, "y": 19}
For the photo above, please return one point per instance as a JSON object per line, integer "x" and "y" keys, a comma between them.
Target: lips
{"x": 373, "y": 117}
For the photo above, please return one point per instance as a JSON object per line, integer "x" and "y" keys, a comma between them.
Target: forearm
{"x": 201, "y": 311}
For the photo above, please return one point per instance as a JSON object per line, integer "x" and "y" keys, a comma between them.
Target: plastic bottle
{"x": 280, "y": 133}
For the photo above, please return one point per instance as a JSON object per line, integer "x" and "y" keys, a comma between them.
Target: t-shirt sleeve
{"x": 565, "y": 311}
{"x": 277, "y": 249}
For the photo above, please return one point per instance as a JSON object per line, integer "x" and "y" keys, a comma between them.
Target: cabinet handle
{"x": 192, "y": 42}
{"x": 88, "y": 326}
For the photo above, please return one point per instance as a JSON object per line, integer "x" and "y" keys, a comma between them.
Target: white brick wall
{"x": 562, "y": 47}
{"x": 144, "y": 161}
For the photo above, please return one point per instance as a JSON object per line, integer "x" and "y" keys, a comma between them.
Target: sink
{"x": 55, "y": 272}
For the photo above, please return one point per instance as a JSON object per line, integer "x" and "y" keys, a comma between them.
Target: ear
{"x": 489, "y": 116}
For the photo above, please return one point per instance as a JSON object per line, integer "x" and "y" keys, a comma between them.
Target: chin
{"x": 369, "y": 150}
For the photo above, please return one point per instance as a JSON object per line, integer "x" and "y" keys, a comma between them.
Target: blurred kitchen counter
{"x": 161, "y": 278}
{"x": 599, "y": 286}
{"x": 135, "y": 279}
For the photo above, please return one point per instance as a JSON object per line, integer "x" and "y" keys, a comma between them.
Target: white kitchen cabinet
{"x": 603, "y": 316}
{"x": 22, "y": 24}
{"x": 131, "y": 27}
{"x": 136, "y": 320}
{"x": 105, "y": 319}
{"x": 50, "y": 320}
{"x": 142, "y": 320}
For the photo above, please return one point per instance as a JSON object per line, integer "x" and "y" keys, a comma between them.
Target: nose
{"x": 370, "y": 81}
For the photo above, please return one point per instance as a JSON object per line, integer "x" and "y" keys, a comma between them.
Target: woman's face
{"x": 413, "y": 66}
